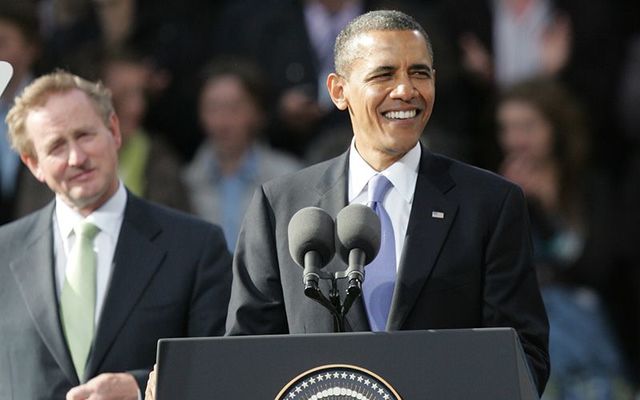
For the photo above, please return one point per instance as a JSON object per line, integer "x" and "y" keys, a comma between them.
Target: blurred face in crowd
{"x": 128, "y": 84}
{"x": 524, "y": 132}
{"x": 389, "y": 90}
{"x": 75, "y": 153}
{"x": 15, "y": 48}
{"x": 229, "y": 115}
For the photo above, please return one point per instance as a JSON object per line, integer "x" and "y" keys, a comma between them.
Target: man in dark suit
{"x": 462, "y": 235}
{"x": 147, "y": 272}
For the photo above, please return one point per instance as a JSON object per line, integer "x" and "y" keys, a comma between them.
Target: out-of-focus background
{"x": 215, "y": 97}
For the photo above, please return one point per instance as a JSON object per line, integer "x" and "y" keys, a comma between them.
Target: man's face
{"x": 230, "y": 117}
{"x": 75, "y": 154}
{"x": 128, "y": 83}
{"x": 524, "y": 132}
{"x": 389, "y": 91}
{"x": 15, "y": 48}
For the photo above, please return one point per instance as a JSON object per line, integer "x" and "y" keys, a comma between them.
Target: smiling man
{"x": 89, "y": 283}
{"x": 459, "y": 237}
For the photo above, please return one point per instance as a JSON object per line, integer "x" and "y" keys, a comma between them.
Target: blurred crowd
{"x": 216, "y": 96}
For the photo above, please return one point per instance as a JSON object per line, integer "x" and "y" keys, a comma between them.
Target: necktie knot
{"x": 378, "y": 187}
{"x": 86, "y": 230}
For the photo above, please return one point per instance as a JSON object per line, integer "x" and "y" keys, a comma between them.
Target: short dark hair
{"x": 24, "y": 16}
{"x": 249, "y": 74}
{"x": 379, "y": 20}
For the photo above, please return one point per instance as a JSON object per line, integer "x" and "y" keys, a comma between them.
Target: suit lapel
{"x": 332, "y": 187}
{"x": 333, "y": 198}
{"x": 135, "y": 261}
{"x": 34, "y": 273}
{"x": 431, "y": 217}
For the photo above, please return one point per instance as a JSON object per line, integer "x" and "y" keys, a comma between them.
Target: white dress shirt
{"x": 109, "y": 219}
{"x": 403, "y": 174}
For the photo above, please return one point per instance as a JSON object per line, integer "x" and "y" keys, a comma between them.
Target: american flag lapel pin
{"x": 437, "y": 214}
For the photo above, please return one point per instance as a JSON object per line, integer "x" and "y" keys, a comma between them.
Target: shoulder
{"x": 308, "y": 178}
{"x": 16, "y": 235}
{"x": 282, "y": 196}
{"x": 466, "y": 177}
{"x": 273, "y": 163}
{"x": 146, "y": 213}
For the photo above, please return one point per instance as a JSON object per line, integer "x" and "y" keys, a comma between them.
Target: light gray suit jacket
{"x": 171, "y": 277}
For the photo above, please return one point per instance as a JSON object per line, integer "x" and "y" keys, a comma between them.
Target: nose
{"x": 404, "y": 89}
{"x": 77, "y": 156}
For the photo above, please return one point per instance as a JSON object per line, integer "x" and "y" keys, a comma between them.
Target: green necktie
{"x": 78, "y": 297}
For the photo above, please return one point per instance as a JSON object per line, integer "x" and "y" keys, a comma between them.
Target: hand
{"x": 538, "y": 181}
{"x": 150, "y": 393}
{"x": 556, "y": 45}
{"x": 475, "y": 57}
{"x": 106, "y": 386}
{"x": 299, "y": 111}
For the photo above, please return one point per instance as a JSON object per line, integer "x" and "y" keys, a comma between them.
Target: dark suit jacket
{"x": 470, "y": 269}
{"x": 171, "y": 277}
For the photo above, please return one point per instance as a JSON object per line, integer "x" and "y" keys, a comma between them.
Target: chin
{"x": 403, "y": 146}
{"x": 84, "y": 199}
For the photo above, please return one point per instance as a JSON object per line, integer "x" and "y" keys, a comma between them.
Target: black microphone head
{"x": 358, "y": 227}
{"x": 311, "y": 228}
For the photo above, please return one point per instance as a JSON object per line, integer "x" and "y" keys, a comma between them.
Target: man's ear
{"x": 114, "y": 128}
{"x": 336, "y": 86}
{"x": 34, "y": 166}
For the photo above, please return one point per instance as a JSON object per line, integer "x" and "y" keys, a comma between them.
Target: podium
{"x": 411, "y": 365}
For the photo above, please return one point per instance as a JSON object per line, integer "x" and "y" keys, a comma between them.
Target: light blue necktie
{"x": 380, "y": 274}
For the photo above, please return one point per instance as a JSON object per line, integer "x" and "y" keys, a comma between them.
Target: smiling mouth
{"x": 401, "y": 115}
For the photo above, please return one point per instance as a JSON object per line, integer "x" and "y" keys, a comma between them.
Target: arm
{"x": 511, "y": 294}
{"x": 257, "y": 305}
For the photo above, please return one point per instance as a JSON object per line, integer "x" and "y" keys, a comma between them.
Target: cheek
{"x": 511, "y": 140}
{"x": 52, "y": 170}
{"x": 427, "y": 90}
{"x": 58, "y": 169}
{"x": 367, "y": 100}
{"x": 539, "y": 140}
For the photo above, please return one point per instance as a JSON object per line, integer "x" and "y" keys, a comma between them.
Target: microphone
{"x": 6, "y": 71}
{"x": 311, "y": 244}
{"x": 358, "y": 232}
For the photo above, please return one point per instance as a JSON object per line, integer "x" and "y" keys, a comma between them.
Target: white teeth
{"x": 400, "y": 114}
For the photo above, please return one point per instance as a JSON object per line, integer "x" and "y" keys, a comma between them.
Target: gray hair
{"x": 379, "y": 20}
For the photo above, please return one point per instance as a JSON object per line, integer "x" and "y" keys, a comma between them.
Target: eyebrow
{"x": 380, "y": 70}
{"x": 422, "y": 68}
{"x": 50, "y": 144}
{"x": 389, "y": 68}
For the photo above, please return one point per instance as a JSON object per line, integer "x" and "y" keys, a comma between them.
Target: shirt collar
{"x": 107, "y": 217}
{"x": 403, "y": 174}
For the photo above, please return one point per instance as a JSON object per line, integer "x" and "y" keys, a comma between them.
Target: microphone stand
{"x": 336, "y": 307}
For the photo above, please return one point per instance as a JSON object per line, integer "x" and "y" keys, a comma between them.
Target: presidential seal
{"x": 338, "y": 382}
